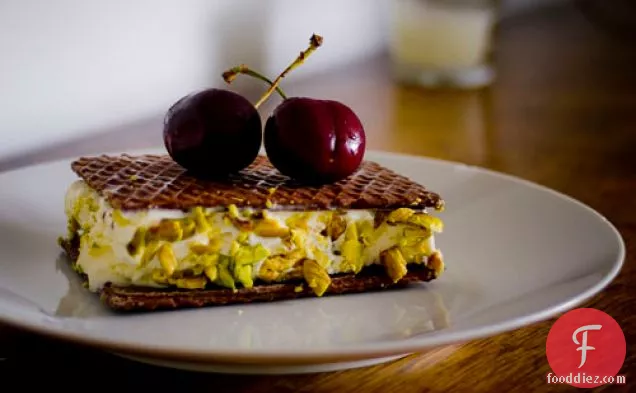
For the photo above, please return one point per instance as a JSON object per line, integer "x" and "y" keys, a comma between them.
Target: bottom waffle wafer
{"x": 146, "y": 235}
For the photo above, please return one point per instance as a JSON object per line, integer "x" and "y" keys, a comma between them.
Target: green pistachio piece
{"x": 244, "y": 275}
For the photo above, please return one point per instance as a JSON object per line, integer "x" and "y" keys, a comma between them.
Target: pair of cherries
{"x": 215, "y": 133}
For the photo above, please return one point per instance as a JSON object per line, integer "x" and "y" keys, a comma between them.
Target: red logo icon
{"x": 586, "y": 348}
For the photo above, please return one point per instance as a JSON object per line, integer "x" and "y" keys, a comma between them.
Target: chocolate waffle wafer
{"x": 156, "y": 181}
{"x": 147, "y": 235}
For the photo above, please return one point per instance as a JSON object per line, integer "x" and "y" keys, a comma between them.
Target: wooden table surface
{"x": 562, "y": 113}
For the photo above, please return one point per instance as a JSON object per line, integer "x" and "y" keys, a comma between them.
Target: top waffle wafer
{"x": 156, "y": 181}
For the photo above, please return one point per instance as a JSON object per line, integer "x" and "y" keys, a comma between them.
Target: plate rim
{"x": 361, "y": 352}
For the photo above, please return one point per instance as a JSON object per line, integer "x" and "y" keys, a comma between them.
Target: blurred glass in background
{"x": 443, "y": 43}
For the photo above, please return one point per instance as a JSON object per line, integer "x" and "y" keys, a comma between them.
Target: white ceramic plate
{"x": 516, "y": 253}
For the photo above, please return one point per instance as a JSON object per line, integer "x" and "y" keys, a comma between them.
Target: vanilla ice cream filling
{"x": 106, "y": 237}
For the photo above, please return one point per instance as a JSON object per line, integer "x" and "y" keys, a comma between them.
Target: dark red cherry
{"x": 213, "y": 132}
{"x": 314, "y": 141}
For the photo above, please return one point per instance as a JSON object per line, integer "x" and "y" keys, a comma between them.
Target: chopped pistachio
{"x": 200, "y": 248}
{"x": 414, "y": 245}
{"x": 351, "y": 232}
{"x": 365, "y": 230}
{"x": 287, "y": 241}
{"x": 351, "y": 256}
{"x": 137, "y": 243}
{"x": 244, "y": 275}
{"x": 436, "y": 262}
{"x": 400, "y": 215}
{"x": 188, "y": 227}
{"x": 119, "y": 218}
{"x": 298, "y": 238}
{"x": 320, "y": 256}
{"x": 295, "y": 255}
{"x": 212, "y": 222}
{"x": 394, "y": 262}
{"x": 316, "y": 276}
{"x": 234, "y": 217}
{"x": 208, "y": 259}
{"x": 298, "y": 221}
{"x": 413, "y": 254}
{"x": 193, "y": 259}
{"x": 423, "y": 220}
{"x": 167, "y": 259}
{"x": 215, "y": 243}
{"x": 170, "y": 230}
{"x": 324, "y": 218}
{"x": 244, "y": 255}
{"x": 232, "y": 211}
{"x": 271, "y": 269}
{"x": 225, "y": 277}
{"x": 235, "y": 247}
{"x": 335, "y": 226}
{"x": 351, "y": 250}
{"x": 260, "y": 252}
{"x": 270, "y": 228}
{"x": 211, "y": 272}
{"x": 197, "y": 270}
{"x": 200, "y": 220}
{"x": 415, "y": 234}
{"x": 298, "y": 288}
{"x": 410, "y": 254}
{"x": 149, "y": 253}
{"x": 159, "y": 276}
{"x": 190, "y": 282}
{"x": 268, "y": 204}
{"x": 243, "y": 238}
{"x": 275, "y": 265}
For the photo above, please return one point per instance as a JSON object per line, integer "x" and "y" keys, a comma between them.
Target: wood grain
{"x": 562, "y": 113}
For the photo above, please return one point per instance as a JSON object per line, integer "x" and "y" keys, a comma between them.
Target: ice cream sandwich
{"x": 146, "y": 235}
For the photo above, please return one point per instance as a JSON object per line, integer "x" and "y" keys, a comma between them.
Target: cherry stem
{"x": 314, "y": 42}
{"x": 233, "y": 72}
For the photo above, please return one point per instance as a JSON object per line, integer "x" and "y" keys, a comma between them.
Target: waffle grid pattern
{"x": 156, "y": 181}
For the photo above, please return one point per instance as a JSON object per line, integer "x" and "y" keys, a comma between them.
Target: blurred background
{"x": 71, "y": 68}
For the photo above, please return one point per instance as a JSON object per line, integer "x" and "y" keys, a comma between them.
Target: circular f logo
{"x": 585, "y": 348}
